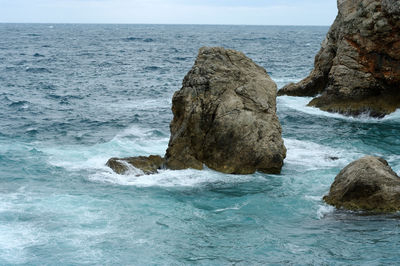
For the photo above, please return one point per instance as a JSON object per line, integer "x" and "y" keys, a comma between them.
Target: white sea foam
{"x": 235, "y": 207}
{"x": 142, "y": 104}
{"x": 137, "y": 141}
{"x": 14, "y": 238}
{"x": 169, "y": 178}
{"x": 133, "y": 141}
{"x": 19, "y": 236}
{"x": 324, "y": 210}
{"x": 313, "y": 198}
{"x": 395, "y": 116}
{"x": 313, "y": 156}
{"x": 300, "y": 104}
{"x": 130, "y": 142}
{"x": 138, "y": 133}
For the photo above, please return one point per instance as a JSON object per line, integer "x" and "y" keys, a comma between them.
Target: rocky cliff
{"x": 357, "y": 69}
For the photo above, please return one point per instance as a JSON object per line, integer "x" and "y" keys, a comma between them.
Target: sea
{"x": 74, "y": 95}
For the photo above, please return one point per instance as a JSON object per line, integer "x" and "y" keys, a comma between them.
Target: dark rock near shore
{"x": 367, "y": 184}
{"x": 225, "y": 117}
{"x": 357, "y": 69}
{"x": 149, "y": 165}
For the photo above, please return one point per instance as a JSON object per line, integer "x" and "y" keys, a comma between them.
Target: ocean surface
{"x": 72, "y": 96}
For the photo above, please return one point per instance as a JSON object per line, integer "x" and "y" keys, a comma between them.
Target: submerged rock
{"x": 357, "y": 69}
{"x": 366, "y": 184}
{"x": 225, "y": 117}
{"x": 149, "y": 165}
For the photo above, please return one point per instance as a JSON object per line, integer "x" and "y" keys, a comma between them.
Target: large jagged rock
{"x": 148, "y": 165}
{"x": 225, "y": 117}
{"x": 366, "y": 184}
{"x": 357, "y": 69}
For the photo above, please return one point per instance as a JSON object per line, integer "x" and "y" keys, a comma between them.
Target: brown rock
{"x": 357, "y": 69}
{"x": 149, "y": 165}
{"x": 366, "y": 184}
{"x": 225, "y": 117}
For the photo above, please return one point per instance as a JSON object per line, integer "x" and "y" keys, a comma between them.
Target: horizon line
{"x": 171, "y": 24}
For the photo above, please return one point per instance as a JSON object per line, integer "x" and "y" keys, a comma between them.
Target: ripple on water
{"x": 37, "y": 70}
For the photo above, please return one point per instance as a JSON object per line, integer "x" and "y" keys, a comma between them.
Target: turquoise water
{"x": 73, "y": 96}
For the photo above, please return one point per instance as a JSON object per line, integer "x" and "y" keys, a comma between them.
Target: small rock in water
{"x": 149, "y": 165}
{"x": 367, "y": 184}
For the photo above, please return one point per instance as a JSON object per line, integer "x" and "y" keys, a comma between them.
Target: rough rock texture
{"x": 357, "y": 69}
{"x": 366, "y": 184}
{"x": 225, "y": 117}
{"x": 149, "y": 165}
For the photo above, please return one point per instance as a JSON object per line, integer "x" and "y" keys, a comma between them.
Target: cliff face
{"x": 357, "y": 69}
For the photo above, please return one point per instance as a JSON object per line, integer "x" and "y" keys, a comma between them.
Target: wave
{"x": 181, "y": 58}
{"x": 21, "y": 62}
{"x": 32, "y": 131}
{"x": 62, "y": 97}
{"x": 19, "y": 104}
{"x": 130, "y": 39}
{"x": 38, "y": 55}
{"x": 324, "y": 210}
{"x": 93, "y": 161}
{"x": 137, "y": 141}
{"x": 250, "y": 39}
{"x": 133, "y": 141}
{"x": 15, "y": 238}
{"x": 37, "y": 70}
{"x": 47, "y": 87}
{"x": 152, "y": 68}
{"x": 10, "y": 68}
{"x": 311, "y": 156}
{"x": 300, "y": 104}
{"x": 171, "y": 178}
{"x": 235, "y": 207}
{"x": 105, "y": 64}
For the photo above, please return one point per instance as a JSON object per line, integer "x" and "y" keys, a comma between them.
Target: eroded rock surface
{"x": 225, "y": 117}
{"x": 148, "y": 165}
{"x": 366, "y": 184}
{"x": 357, "y": 69}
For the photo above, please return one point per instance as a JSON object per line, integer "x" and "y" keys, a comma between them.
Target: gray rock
{"x": 366, "y": 184}
{"x": 357, "y": 69}
{"x": 225, "y": 117}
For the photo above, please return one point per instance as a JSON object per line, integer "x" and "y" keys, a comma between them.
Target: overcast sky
{"x": 249, "y": 12}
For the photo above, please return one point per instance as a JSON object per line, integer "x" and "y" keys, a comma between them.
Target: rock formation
{"x": 225, "y": 117}
{"x": 148, "y": 165}
{"x": 357, "y": 69}
{"x": 366, "y": 184}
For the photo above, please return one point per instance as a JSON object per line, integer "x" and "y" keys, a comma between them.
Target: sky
{"x": 242, "y": 12}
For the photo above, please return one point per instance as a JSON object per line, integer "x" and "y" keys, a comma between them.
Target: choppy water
{"x": 71, "y": 96}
